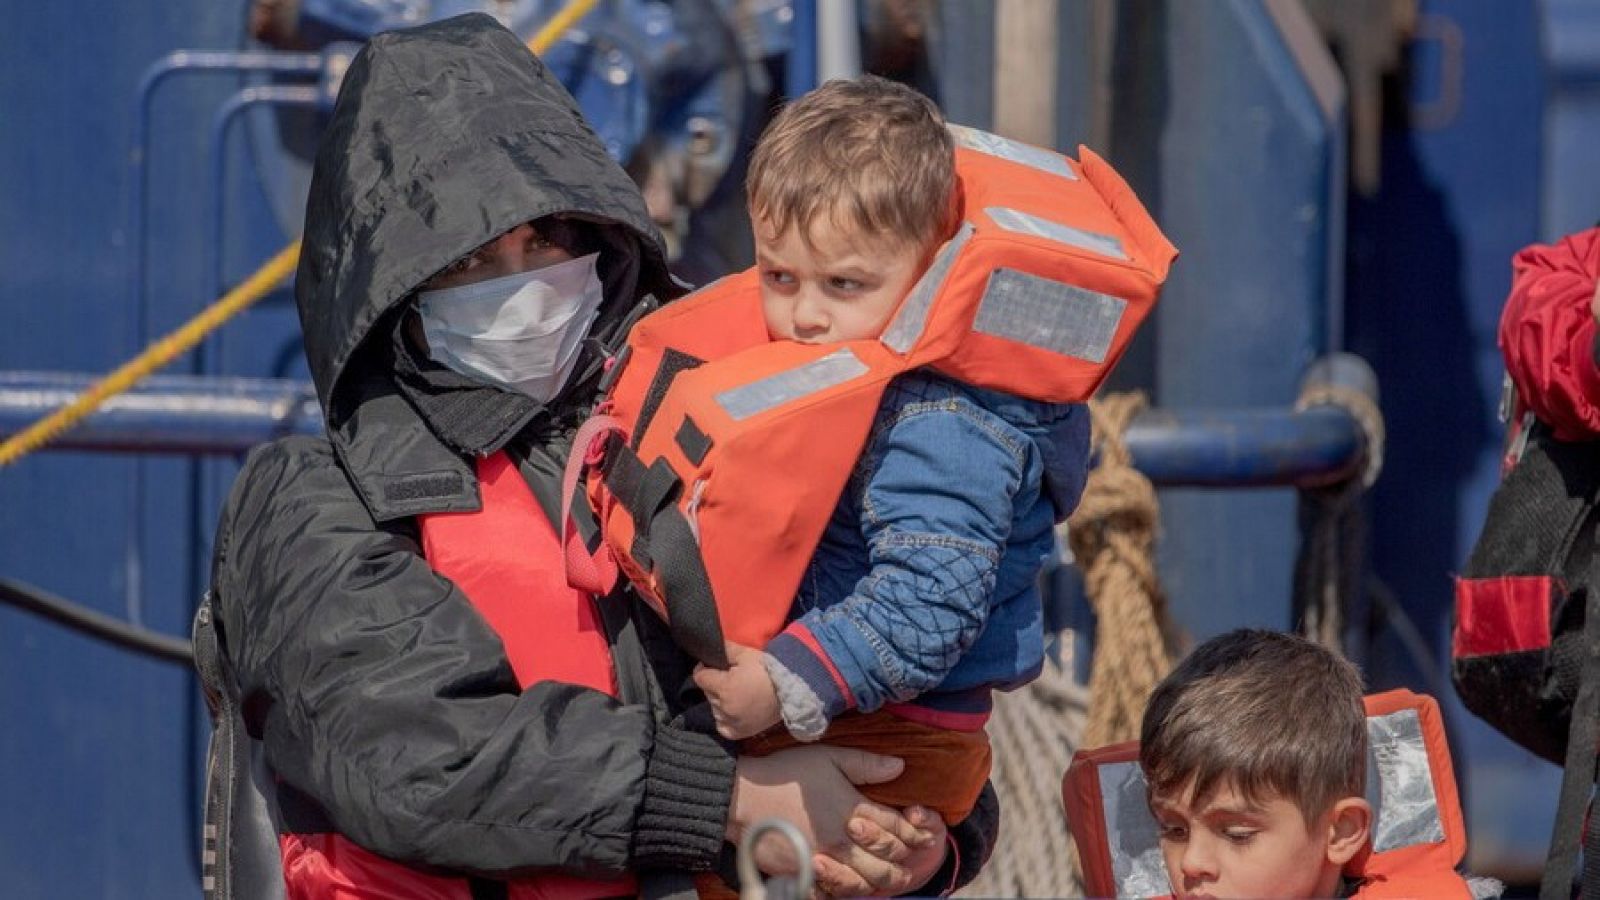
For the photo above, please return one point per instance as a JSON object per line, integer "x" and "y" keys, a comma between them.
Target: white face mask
{"x": 523, "y": 331}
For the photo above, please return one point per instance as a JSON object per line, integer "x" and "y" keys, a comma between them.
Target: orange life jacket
{"x": 719, "y": 453}
{"x": 1418, "y": 837}
{"x": 505, "y": 558}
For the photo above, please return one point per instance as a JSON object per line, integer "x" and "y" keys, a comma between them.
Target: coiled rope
{"x": 1035, "y": 731}
{"x": 186, "y": 336}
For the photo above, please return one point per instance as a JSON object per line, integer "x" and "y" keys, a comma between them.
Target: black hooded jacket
{"x": 385, "y": 705}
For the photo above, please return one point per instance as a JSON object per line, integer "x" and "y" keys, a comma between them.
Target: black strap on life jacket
{"x": 664, "y": 543}
{"x": 1578, "y": 778}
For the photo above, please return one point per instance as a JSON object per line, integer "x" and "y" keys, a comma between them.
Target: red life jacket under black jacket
{"x": 507, "y": 560}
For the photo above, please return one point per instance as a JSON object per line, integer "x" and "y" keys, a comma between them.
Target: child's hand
{"x": 743, "y": 701}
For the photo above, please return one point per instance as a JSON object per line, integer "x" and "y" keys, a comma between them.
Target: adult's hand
{"x": 891, "y": 853}
{"x": 813, "y": 788}
{"x": 861, "y": 847}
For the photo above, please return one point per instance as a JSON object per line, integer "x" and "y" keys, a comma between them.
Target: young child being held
{"x": 1255, "y": 752}
{"x": 920, "y": 598}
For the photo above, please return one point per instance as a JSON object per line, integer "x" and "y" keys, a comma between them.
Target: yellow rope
{"x": 559, "y": 23}
{"x": 154, "y": 357}
{"x": 195, "y": 330}
{"x": 1112, "y": 535}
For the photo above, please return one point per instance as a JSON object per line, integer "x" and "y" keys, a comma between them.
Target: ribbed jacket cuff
{"x": 798, "y": 651}
{"x": 688, "y": 787}
{"x": 800, "y": 705}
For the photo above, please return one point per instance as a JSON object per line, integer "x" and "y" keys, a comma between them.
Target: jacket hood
{"x": 445, "y": 136}
{"x": 1060, "y": 431}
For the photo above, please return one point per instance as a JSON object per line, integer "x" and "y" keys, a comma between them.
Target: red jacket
{"x": 1547, "y": 333}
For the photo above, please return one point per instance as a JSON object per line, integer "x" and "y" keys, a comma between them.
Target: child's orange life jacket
{"x": 1418, "y": 837}
{"x": 720, "y": 453}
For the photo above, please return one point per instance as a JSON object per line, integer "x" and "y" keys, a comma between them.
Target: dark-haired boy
{"x": 1254, "y": 749}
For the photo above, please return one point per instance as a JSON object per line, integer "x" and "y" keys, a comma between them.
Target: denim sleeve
{"x": 936, "y": 515}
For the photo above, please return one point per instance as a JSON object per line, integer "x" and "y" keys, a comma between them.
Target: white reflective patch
{"x": 1016, "y": 151}
{"x": 1131, "y": 833}
{"x": 1051, "y": 315}
{"x": 912, "y": 318}
{"x": 1018, "y": 221}
{"x": 1405, "y": 810}
{"x": 775, "y": 390}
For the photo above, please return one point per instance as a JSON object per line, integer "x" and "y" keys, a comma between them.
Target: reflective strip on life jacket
{"x": 911, "y": 319}
{"x": 508, "y": 560}
{"x": 1049, "y": 315}
{"x": 1026, "y": 223}
{"x": 793, "y": 384}
{"x": 1015, "y": 151}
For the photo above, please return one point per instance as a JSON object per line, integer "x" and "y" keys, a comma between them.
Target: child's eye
{"x": 778, "y": 276}
{"x": 1239, "y": 835}
{"x": 1174, "y": 833}
{"x": 844, "y": 284}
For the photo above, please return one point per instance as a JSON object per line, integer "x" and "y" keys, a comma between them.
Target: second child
{"x": 1255, "y": 752}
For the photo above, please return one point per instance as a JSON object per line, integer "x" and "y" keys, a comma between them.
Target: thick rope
{"x": 1112, "y": 535}
{"x": 180, "y": 341}
{"x": 1328, "y": 569}
{"x": 1035, "y": 731}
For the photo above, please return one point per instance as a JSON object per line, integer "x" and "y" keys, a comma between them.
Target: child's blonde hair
{"x": 1264, "y": 712}
{"x": 870, "y": 153}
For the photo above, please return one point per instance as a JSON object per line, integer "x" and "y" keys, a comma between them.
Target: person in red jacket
{"x": 1547, "y": 333}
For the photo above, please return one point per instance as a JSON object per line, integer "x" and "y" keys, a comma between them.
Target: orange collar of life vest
{"x": 722, "y": 453}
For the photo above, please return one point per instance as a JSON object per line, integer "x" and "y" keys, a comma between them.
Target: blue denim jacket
{"x": 924, "y": 584}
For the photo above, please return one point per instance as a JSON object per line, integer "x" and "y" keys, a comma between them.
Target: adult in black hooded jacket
{"x": 384, "y": 705}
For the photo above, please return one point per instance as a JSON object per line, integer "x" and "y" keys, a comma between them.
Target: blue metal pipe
{"x": 1319, "y": 445}
{"x": 1246, "y": 447}
{"x": 185, "y": 61}
{"x": 245, "y": 98}
{"x": 800, "y": 66}
{"x": 166, "y": 414}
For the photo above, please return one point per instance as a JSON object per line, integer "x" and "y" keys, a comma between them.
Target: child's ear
{"x": 1348, "y": 827}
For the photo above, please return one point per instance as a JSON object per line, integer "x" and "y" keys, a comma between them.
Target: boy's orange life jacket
{"x": 507, "y": 560}
{"x": 1418, "y": 838}
{"x": 720, "y": 453}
